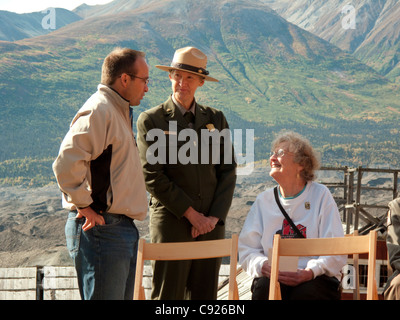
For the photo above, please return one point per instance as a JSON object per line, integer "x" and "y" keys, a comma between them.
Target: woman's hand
{"x": 289, "y": 278}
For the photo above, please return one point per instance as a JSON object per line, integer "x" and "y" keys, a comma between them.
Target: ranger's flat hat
{"x": 191, "y": 60}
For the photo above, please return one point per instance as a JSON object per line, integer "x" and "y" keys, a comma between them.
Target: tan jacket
{"x": 98, "y": 163}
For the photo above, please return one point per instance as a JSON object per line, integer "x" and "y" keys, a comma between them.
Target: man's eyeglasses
{"x": 146, "y": 80}
{"x": 279, "y": 154}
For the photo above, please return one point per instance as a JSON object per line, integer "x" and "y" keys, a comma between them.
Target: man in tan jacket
{"x": 98, "y": 171}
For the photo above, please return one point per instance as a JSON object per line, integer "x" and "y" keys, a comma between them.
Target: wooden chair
{"x": 356, "y": 290}
{"x": 323, "y": 247}
{"x": 187, "y": 251}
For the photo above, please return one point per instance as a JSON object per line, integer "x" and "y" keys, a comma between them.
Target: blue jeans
{"x": 104, "y": 256}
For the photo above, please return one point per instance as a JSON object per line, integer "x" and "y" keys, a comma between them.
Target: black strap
{"x": 286, "y": 215}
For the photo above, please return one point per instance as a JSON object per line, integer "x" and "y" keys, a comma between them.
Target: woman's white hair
{"x": 304, "y": 153}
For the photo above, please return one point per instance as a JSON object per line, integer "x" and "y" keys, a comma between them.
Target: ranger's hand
{"x": 199, "y": 221}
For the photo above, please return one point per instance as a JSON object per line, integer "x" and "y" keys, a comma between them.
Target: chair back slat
{"x": 187, "y": 251}
{"x": 318, "y": 247}
{"x": 325, "y": 247}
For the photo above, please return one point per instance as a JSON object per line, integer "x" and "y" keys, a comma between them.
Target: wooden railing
{"x": 56, "y": 283}
{"x": 356, "y": 205}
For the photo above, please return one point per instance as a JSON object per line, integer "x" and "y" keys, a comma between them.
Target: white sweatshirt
{"x": 315, "y": 214}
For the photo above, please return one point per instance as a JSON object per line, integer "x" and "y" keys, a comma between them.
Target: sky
{"x": 24, "y": 6}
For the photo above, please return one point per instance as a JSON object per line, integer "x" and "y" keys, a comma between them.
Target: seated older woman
{"x": 313, "y": 212}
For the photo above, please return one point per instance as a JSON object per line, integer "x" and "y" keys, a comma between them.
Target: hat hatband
{"x": 189, "y": 68}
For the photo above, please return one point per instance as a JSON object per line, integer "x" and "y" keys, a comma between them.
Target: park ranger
{"x": 190, "y": 179}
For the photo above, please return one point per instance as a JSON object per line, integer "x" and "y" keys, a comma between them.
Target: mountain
{"x": 374, "y": 39}
{"x": 273, "y": 75}
{"x": 116, "y": 6}
{"x": 14, "y": 26}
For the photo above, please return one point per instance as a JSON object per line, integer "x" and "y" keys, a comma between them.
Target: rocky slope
{"x": 32, "y": 220}
{"x": 32, "y": 223}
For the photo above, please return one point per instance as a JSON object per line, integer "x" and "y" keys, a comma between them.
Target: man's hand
{"x": 92, "y": 218}
{"x": 289, "y": 278}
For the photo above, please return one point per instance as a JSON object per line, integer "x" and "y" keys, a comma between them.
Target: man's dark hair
{"x": 119, "y": 61}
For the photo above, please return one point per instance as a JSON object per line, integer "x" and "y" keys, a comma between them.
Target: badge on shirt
{"x": 307, "y": 205}
{"x": 210, "y": 127}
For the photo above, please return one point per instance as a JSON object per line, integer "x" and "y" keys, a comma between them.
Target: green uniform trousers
{"x": 183, "y": 280}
